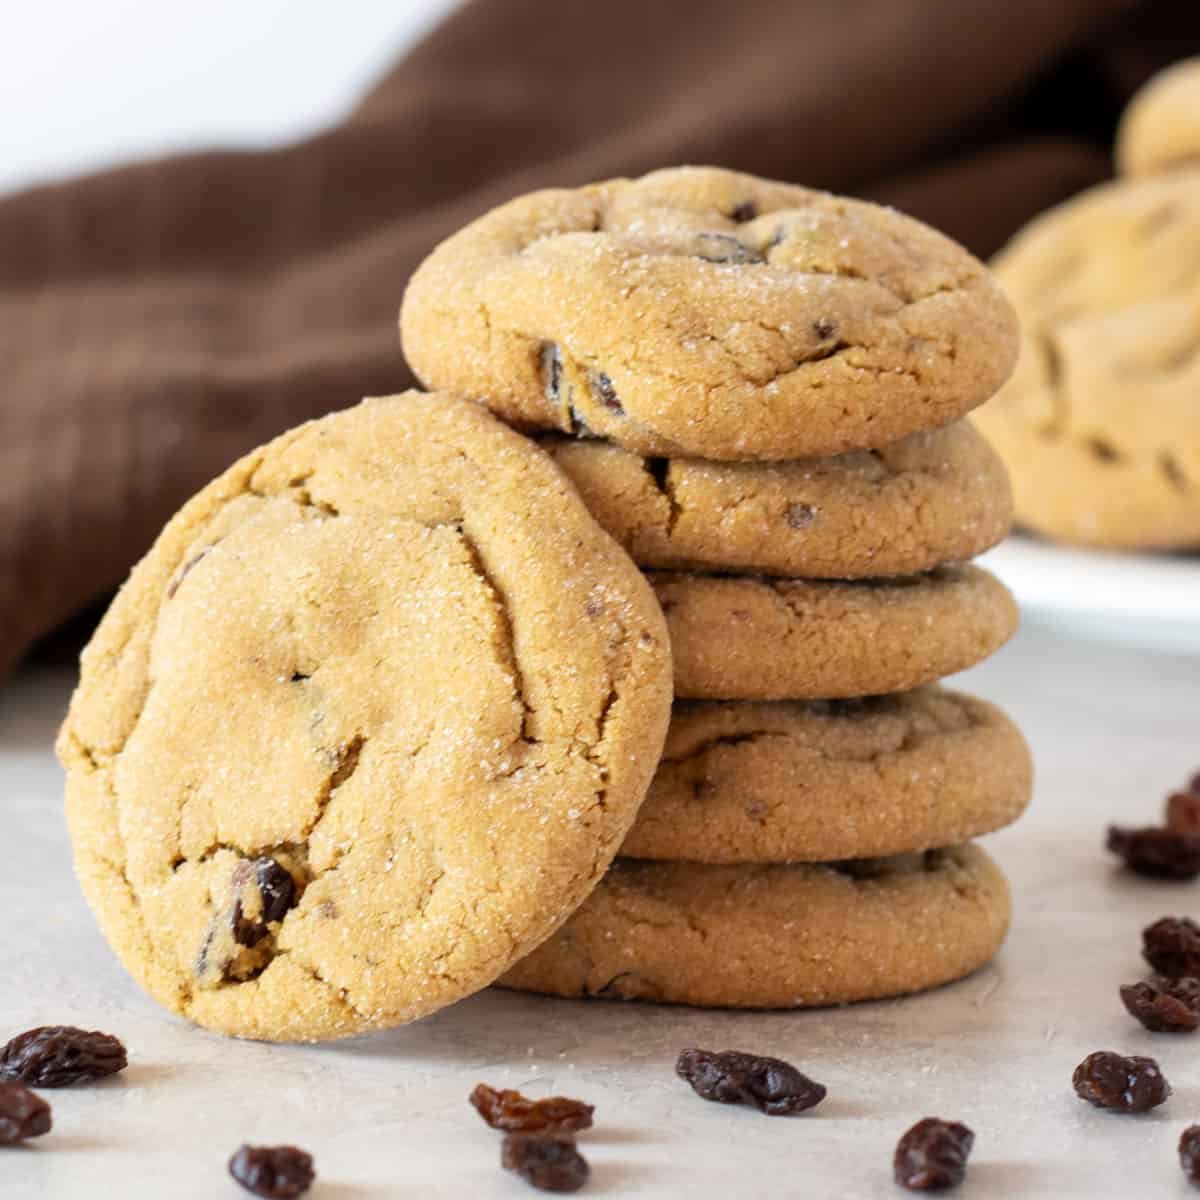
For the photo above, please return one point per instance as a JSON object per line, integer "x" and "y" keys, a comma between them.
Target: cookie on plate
{"x": 1099, "y": 425}
{"x": 931, "y": 498}
{"x": 364, "y": 726}
{"x": 1160, "y": 130}
{"x": 774, "y": 936}
{"x": 736, "y": 637}
{"x": 824, "y": 780}
{"x": 700, "y": 312}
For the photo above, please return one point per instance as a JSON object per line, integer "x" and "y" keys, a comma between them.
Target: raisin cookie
{"x": 735, "y": 637}
{"x": 826, "y": 780}
{"x": 776, "y": 936}
{"x": 364, "y": 726}
{"x": 1160, "y": 129}
{"x": 1099, "y": 426}
{"x": 935, "y": 497}
{"x": 700, "y": 312}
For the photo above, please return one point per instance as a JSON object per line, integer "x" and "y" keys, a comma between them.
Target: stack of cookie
{"x": 759, "y": 391}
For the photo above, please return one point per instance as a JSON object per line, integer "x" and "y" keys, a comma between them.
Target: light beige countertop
{"x": 1112, "y": 730}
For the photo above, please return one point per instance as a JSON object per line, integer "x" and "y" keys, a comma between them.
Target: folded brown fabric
{"x": 158, "y": 320}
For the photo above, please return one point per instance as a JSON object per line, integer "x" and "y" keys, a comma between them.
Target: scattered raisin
{"x": 549, "y": 1163}
{"x": 602, "y": 388}
{"x": 551, "y": 364}
{"x": 746, "y": 211}
{"x": 800, "y": 516}
{"x": 23, "y": 1114}
{"x": 509, "y": 1110}
{"x": 725, "y": 248}
{"x": 1172, "y": 947}
{"x": 277, "y": 894}
{"x": 731, "y": 1077}
{"x": 1183, "y": 812}
{"x": 273, "y": 1171}
{"x": 60, "y": 1055}
{"x": 1110, "y": 1080}
{"x": 1164, "y": 1005}
{"x": 824, "y": 328}
{"x": 1189, "y": 1153}
{"x": 932, "y": 1155}
{"x": 1156, "y": 851}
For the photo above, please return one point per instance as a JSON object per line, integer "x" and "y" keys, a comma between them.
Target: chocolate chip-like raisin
{"x": 550, "y": 1164}
{"x": 1183, "y": 812}
{"x": 932, "y": 1155}
{"x": 61, "y": 1055}
{"x": 824, "y": 328}
{"x": 509, "y": 1110}
{"x": 276, "y": 895}
{"x": 747, "y": 210}
{"x": 800, "y": 516}
{"x": 771, "y": 1085}
{"x": 1189, "y": 1153}
{"x": 603, "y": 390}
{"x": 725, "y": 248}
{"x": 273, "y": 1171}
{"x": 1164, "y": 1005}
{"x": 1156, "y": 851}
{"x": 551, "y": 366}
{"x": 1172, "y": 947}
{"x": 1133, "y": 1085}
{"x": 23, "y": 1114}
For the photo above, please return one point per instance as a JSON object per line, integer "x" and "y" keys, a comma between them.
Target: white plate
{"x": 1138, "y": 599}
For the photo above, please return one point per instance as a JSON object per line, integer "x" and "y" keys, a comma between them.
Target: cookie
{"x": 1160, "y": 130}
{"x": 931, "y": 498}
{"x": 824, "y": 780}
{"x": 367, "y": 722}
{"x": 763, "y": 936}
{"x": 1099, "y": 426}
{"x": 738, "y": 637}
{"x": 700, "y": 312}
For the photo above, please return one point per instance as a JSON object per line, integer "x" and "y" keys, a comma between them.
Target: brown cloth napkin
{"x": 158, "y": 320}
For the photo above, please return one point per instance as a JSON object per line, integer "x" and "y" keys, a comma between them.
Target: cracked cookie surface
{"x": 1099, "y": 425}
{"x": 763, "y": 936}
{"x": 368, "y": 721}
{"x": 701, "y": 312}
{"x": 735, "y": 637}
{"x": 818, "y": 781}
{"x": 1160, "y": 129}
{"x": 931, "y": 498}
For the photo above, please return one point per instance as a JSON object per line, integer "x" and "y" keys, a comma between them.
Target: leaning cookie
{"x": 364, "y": 726}
{"x": 700, "y": 312}
{"x": 762, "y": 936}
{"x": 736, "y": 637}
{"x": 1099, "y": 426}
{"x": 931, "y": 498}
{"x": 822, "y": 780}
{"x": 1160, "y": 130}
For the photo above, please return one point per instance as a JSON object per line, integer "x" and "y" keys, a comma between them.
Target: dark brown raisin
{"x": 800, "y": 516}
{"x": 603, "y": 390}
{"x": 1189, "y": 1153}
{"x": 1172, "y": 947}
{"x": 551, "y": 1164}
{"x": 274, "y": 1171}
{"x": 1109, "y": 1080}
{"x": 746, "y": 211}
{"x": 1164, "y": 1005}
{"x": 60, "y": 1055}
{"x": 824, "y": 328}
{"x": 276, "y": 895}
{"x": 932, "y": 1155}
{"x": 731, "y": 1077}
{"x": 551, "y": 362}
{"x": 1183, "y": 812}
{"x": 725, "y": 248}
{"x": 509, "y": 1110}
{"x": 1157, "y": 851}
{"x": 23, "y": 1114}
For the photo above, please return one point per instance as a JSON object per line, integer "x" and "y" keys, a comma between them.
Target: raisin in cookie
{"x": 701, "y": 312}
{"x": 931, "y": 498}
{"x": 1160, "y": 129}
{"x": 776, "y": 936}
{"x": 1099, "y": 426}
{"x": 735, "y": 637}
{"x": 822, "y": 780}
{"x": 365, "y": 725}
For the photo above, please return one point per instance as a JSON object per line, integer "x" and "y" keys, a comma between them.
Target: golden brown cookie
{"x": 1099, "y": 426}
{"x": 822, "y": 780}
{"x": 700, "y": 312}
{"x": 738, "y": 637}
{"x": 931, "y": 498}
{"x": 367, "y": 723}
{"x": 764, "y": 936}
{"x": 1160, "y": 129}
